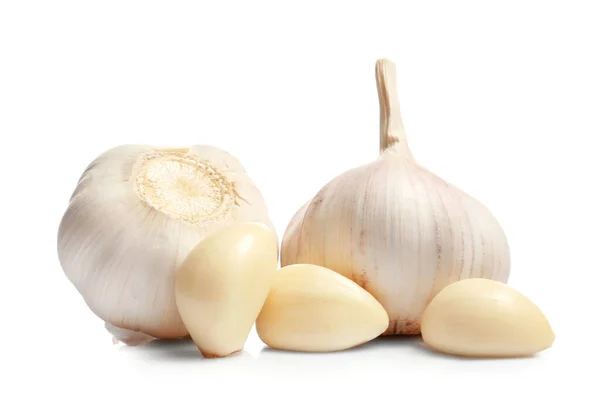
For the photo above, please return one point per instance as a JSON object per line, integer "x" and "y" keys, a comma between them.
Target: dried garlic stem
{"x": 392, "y": 133}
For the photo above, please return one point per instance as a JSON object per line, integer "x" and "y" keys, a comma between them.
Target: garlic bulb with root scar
{"x": 136, "y": 213}
{"x": 395, "y": 228}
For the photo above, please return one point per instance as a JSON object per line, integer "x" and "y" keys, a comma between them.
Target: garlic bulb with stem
{"x": 395, "y": 228}
{"x": 135, "y": 214}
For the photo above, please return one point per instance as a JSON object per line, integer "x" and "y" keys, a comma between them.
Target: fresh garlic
{"x": 222, "y": 285}
{"x": 396, "y": 229}
{"x": 312, "y": 308}
{"x": 485, "y": 318}
{"x": 135, "y": 214}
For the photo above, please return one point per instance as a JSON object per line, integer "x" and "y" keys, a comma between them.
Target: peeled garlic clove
{"x": 395, "y": 228}
{"x": 222, "y": 285}
{"x": 134, "y": 216}
{"x": 482, "y": 317}
{"x": 311, "y": 308}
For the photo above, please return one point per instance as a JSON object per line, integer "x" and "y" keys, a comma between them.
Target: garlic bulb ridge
{"x": 395, "y": 228}
{"x": 135, "y": 214}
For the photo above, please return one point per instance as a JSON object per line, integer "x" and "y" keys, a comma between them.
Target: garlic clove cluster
{"x": 135, "y": 214}
{"x": 311, "y": 308}
{"x": 221, "y": 286}
{"x": 485, "y": 318}
{"x": 395, "y": 228}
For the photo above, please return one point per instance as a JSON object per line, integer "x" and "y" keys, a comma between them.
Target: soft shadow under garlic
{"x": 415, "y": 342}
{"x": 178, "y": 350}
{"x": 374, "y": 347}
{"x": 383, "y": 352}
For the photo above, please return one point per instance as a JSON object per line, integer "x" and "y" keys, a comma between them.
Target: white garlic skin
{"x": 485, "y": 318}
{"x": 396, "y": 229}
{"x": 134, "y": 216}
{"x": 222, "y": 285}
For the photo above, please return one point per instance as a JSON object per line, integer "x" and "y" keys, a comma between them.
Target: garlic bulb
{"x": 395, "y": 228}
{"x": 312, "y": 308}
{"x": 135, "y": 214}
{"x": 222, "y": 285}
{"x": 485, "y": 318}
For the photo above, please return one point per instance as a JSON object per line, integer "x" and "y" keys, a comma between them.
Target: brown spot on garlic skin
{"x": 313, "y": 206}
{"x": 438, "y": 244}
{"x": 361, "y": 280}
{"x": 403, "y": 328}
{"x": 318, "y": 200}
{"x": 412, "y": 328}
{"x": 362, "y": 240}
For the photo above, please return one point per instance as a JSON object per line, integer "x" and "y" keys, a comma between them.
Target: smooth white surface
{"x": 500, "y": 98}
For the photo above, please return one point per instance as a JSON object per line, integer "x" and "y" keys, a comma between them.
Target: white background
{"x": 500, "y": 98}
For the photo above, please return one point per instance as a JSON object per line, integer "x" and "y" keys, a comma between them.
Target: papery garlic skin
{"x": 129, "y": 337}
{"x": 485, "y": 318}
{"x": 396, "y": 229}
{"x": 314, "y": 309}
{"x": 290, "y": 240}
{"x": 134, "y": 216}
{"x": 222, "y": 285}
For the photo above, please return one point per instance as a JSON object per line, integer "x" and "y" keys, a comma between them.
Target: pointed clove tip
{"x": 384, "y": 63}
{"x": 215, "y": 355}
